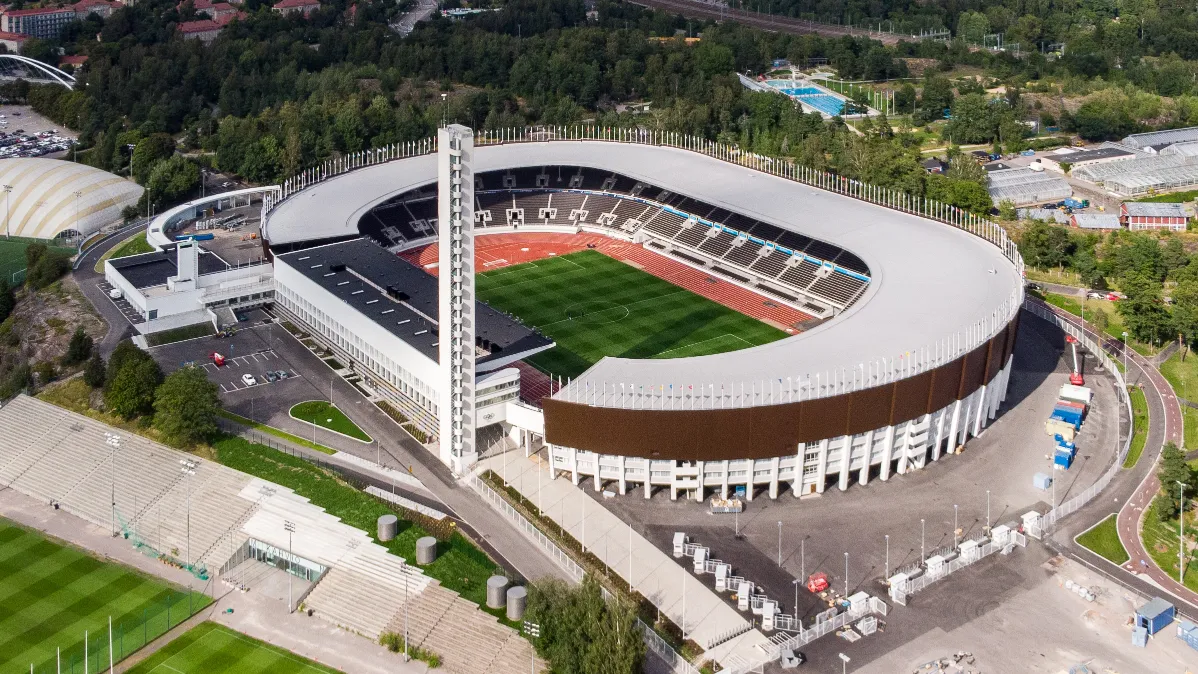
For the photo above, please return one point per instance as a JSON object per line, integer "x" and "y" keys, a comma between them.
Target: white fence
{"x": 907, "y": 361}
{"x": 653, "y": 642}
{"x": 1093, "y": 343}
{"x": 899, "y": 592}
{"x": 823, "y": 626}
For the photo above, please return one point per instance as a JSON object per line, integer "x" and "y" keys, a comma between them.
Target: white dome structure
{"x": 48, "y": 198}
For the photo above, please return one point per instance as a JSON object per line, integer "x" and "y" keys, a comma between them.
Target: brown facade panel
{"x": 870, "y": 408}
{"x": 1013, "y": 332}
{"x": 911, "y": 397}
{"x": 946, "y": 381}
{"x": 975, "y": 370}
{"x": 772, "y": 430}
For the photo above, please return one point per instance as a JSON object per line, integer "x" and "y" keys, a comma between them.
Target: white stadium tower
{"x": 916, "y": 307}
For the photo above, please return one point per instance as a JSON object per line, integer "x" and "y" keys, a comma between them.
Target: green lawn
{"x": 460, "y": 566}
{"x": 1114, "y": 322}
{"x": 12, "y": 256}
{"x": 1104, "y": 541}
{"x": 1139, "y": 408}
{"x": 135, "y": 245}
{"x": 277, "y": 432}
{"x": 1173, "y": 198}
{"x": 1160, "y": 539}
{"x": 595, "y": 306}
{"x": 1183, "y": 376}
{"x": 209, "y": 647}
{"x": 180, "y": 334}
{"x": 328, "y": 416}
{"x": 51, "y": 593}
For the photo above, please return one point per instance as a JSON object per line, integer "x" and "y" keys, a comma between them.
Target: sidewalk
{"x": 688, "y": 601}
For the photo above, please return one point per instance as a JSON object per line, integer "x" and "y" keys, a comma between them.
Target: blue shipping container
{"x": 1155, "y": 615}
{"x": 1072, "y": 419}
{"x": 1068, "y": 412}
{"x": 1063, "y": 460}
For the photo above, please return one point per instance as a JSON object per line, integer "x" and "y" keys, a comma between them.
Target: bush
{"x": 394, "y": 642}
{"x": 93, "y": 374}
{"x": 44, "y": 372}
{"x": 49, "y": 268}
{"x": 130, "y": 391}
{"x": 79, "y": 349}
{"x": 8, "y": 300}
{"x": 19, "y": 379}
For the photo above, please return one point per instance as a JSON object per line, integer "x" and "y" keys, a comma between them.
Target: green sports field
{"x": 12, "y": 256}
{"x": 595, "y": 306}
{"x": 50, "y": 594}
{"x": 209, "y": 648}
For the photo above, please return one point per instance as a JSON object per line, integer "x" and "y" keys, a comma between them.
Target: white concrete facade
{"x": 892, "y": 449}
{"x": 457, "y": 316}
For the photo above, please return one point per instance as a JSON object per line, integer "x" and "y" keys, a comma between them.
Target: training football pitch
{"x": 595, "y": 306}
{"x": 51, "y": 594}
{"x": 209, "y": 647}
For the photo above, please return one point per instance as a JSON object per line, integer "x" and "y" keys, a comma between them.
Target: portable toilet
{"x": 679, "y": 544}
{"x": 742, "y": 595}
{"x": 859, "y": 602}
{"x": 768, "y": 609}
{"x": 969, "y": 551}
{"x": 1155, "y": 615}
{"x": 1000, "y": 534}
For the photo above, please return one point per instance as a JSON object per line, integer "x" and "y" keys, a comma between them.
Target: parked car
{"x": 1095, "y": 295}
{"x": 115, "y": 293}
{"x": 249, "y": 379}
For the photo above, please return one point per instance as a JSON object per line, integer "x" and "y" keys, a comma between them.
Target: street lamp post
{"x": 1181, "y": 533}
{"x": 7, "y": 209}
{"x": 796, "y": 582}
{"x": 888, "y": 555}
{"x": 533, "y": 630}
{"x": 956, "y": 528}
{"x": 987, "y": 511}
{"x": 1125, "y": 351}
{"x": 844, "y": 663}
{"x": 779, "y": 544}
{"x": 77, "y": 194}
{"x": 846, "y": 575}
{"x": 290, "y": 527}
{"x": 188, "y": 470}
{"x": 114, "y": 441}
{"x": 923, "y": 532}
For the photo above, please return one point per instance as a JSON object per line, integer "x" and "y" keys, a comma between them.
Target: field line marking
{"x": 703, "y": 341}
{"x": 284, "y": 654}
{"x": 630, "y": 304}
{"x": 181, "y": 652}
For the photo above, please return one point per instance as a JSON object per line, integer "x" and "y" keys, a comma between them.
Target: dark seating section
{"x": 412, "y": 216}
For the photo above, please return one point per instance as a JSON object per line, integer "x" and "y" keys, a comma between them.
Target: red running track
{"x": 494, "y": 251}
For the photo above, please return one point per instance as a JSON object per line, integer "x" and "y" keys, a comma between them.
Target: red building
{"x": 1146, "y": 215}
{"x": 305, "y": 7}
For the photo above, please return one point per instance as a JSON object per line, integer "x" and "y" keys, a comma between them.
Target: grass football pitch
{"x": 208, "y": 648}
{"x": 595, "y": 306}
{"x": 50, "y": 594}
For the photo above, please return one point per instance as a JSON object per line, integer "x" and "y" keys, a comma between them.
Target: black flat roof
{"x": 402, "y": 297}
{"x": 153, "y": 269}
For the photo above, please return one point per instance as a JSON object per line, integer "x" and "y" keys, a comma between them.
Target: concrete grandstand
{"x": 913, "y": 361}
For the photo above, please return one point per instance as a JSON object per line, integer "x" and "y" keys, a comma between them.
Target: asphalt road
{"x": 119, "y": 327}
{"x": 1132, "y": 490}
{"x": 777, "y": 24}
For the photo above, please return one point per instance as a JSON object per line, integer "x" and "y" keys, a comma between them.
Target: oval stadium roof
{"x": 42, "y": 203}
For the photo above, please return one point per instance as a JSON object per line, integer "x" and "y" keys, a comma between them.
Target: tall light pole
{"x": 846, "y": 575}
{"x": 796, "y": 582}
{"x": 7, "y": 209}
{"x": 887, "y": 555}
{"x": 956, "y": 528}
{"x": 923, "y": 531}
{"x": 77, "y": 194}
{"x": 188, "y": 470}
{"x": 403, "y": 565}
{"x": 114, "y": 441}
{"x": 1125, "y": 351}
{"x": 533, "y": 630}
{"x": 987, "y": 511}
{"x": 844, "y": 663}
{"x": 1181, "y": 533}
{"x": 290, "y": 527}
{"x": 779, "y": 544}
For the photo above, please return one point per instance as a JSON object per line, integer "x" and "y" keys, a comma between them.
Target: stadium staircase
{"x": 468, "y": 640}
{"x": 362, "y": 592}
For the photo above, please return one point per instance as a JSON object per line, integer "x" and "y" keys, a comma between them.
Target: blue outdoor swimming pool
{"x": 812, "y": 96}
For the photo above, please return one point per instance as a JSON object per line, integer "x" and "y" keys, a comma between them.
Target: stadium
{"x": 659, "y": 311}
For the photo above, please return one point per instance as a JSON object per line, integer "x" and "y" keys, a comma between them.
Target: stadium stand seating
{"x": 538, "y": 196}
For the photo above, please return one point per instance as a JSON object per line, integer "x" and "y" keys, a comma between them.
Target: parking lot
{"x": 127, "y": 310}
{"x": 20, "y": 128}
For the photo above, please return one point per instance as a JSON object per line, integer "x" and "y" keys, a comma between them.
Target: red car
{"x": 217, "y": 359}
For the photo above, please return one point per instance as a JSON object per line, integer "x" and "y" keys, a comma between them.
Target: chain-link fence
{"x": 102, "y": 643}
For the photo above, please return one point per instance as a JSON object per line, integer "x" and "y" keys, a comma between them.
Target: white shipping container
{"x": 1079, "y": 394}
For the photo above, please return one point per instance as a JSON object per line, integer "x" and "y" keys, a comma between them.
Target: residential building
{"x": 101, "y": 8}
{"x": 13, "y": 41}
{"x": 1147, "y": 215}
{"x": 213, "y": 10}
{"x": 204, "y": 30}
{"x": 305, "y": 7}
{"x": 46, "y": 24}
{"x": 933, "y": 165}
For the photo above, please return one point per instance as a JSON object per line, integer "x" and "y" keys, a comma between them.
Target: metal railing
{"x": 903, "y": 363}
{"x": 823, "y": 626}
{"x": 1093, "y": 343}
{"x": 653, "y": 641}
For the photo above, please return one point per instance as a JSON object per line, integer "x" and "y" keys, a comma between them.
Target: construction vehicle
{"x": 1075, "y": 377}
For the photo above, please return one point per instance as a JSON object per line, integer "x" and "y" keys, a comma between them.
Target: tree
{"x": 33, "y": 253}
{"x": 93, "y": 374}
{"x": 172, "y": 179}
{"x": 973, "y": 27}
{"x": 148, "y": 152}
{"x": 904, "y": 98}
{"x": 1143, "y": 309}
{"x": 131, "y": 392}
{"x": 186, "y": 406}
{"x": 45, "y": 373}
{"x": 936, "y": 97}
{"x": 8, "y": 300}
{"x": 1185, "y": 308}
{"x": 581, "y": 633}
{"x": 1044, "y": 245}
{"x": 1173, "y": 469}
{"x": 49, "y": 268}
{"x": 79, "y": 349}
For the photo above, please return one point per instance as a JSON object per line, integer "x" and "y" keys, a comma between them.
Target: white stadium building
{"x": 52, "y": 198}
{"x": 917, "y": 306}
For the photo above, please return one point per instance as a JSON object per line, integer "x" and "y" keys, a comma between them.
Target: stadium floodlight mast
{"x": 533, "y": 630}
{"x": 289, "y": 526}
{"x": 844, "y": 662}
{"x": 188, "y": 469}
{"x": 888, "y": 556}
{"x": 7, "y": 209}
{"x": 114, "y": 441}
{"x": 923, "y": 532}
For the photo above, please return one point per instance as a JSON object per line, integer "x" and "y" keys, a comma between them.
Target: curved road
{"x": 769, "y": 22}
{"x": 1162, "y": 403}
{"x": 85, "y": 275}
